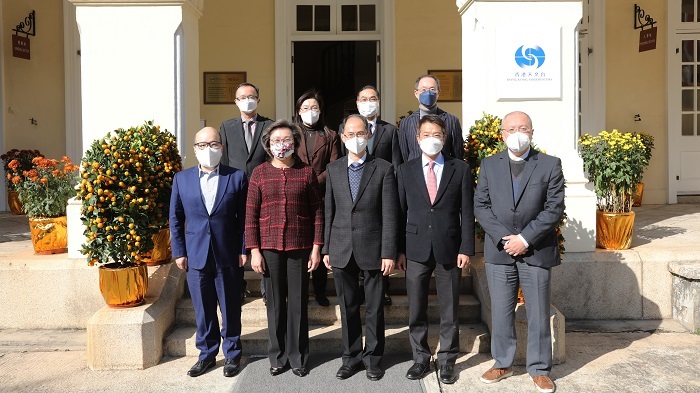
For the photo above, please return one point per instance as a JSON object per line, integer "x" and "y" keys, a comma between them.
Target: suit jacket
{"x": 385, "y": 143}
{"x": 222, "y": 230}
{"x": 454, "y": 145}
{"x": 447, "y": 225}
{"x": 534, "y": 213}
{"x": 367, "y": 228}
{"x": 236, "y": 152}
{"x": 326, "y": 149}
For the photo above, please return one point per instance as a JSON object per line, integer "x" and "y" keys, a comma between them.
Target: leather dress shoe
{"x": 231, "y": 368}
{"x": 201, "y": 367}
{"x": 323, "y": 300}
{"x": 277, "y": 370}
{"x": 387, "y": 299}
{"x": 345, "y": 372}
{"x": 300, "y": 372}
{"x": 417, "y": 371}
{"x": 374, "y": 373}
{"x": 448, "y": 374}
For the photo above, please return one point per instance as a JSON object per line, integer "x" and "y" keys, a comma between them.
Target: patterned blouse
{"x": 284, "y": 210}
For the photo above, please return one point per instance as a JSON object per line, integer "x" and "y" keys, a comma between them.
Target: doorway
{"x": 337, "y": 70}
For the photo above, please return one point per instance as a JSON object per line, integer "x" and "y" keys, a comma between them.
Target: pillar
{"x": 493, "y": 82}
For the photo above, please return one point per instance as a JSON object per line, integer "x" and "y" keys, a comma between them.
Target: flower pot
{"x": 49, "y": 235}
{"x": 614, "y": 230}
{"x": 14, "y": 203}
{"x": 161, "y": 253}
{"x": 638, "y": 194}
{"x": 123, "y": 287}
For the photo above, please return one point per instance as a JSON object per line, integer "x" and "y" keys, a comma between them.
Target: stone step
{"x": 255, "y": 312}
{"x": 473, "y": 338}
{"x": 397, "y": 284}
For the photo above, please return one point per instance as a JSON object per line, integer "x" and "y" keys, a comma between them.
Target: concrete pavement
{"x": 636, "y": 361}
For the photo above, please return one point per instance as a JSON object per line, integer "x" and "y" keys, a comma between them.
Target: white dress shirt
{"x": 437, "y": 168}
{"x": 209, "y": 183}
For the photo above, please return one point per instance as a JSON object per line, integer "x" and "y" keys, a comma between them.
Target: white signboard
{"x": 528, "y": 63}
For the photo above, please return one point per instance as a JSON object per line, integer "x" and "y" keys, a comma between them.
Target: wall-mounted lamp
{"x": 641, "y": 19}
{"x": 28, "y": 27}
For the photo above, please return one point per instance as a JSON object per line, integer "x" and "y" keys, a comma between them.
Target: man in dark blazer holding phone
{"x": 382, "y": 141}
{"x": 436, "y": 198}
{"x": 360, "y": 236}
{"x": 207, "y": 221}
{"x": 240, "y": 137}
{"x": 519, "y": 201}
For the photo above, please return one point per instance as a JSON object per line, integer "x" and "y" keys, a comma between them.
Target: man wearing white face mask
{"x": 427, "y": 92}
{"x": 360, "y": 236}
{"x": 382, "y": 142}
{"x": 435, "y": 195}
{"x": 209, "y": 200}
{"x": 519, "y": 217}
{"x": 241, "y": 135}
{"x": 240, "y": 138}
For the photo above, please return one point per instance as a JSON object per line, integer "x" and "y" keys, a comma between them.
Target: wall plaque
{"x": 450, "y": 84}
{"x": 647, "y": 39}
{"x": 220, "y": 87}
{"x": 20, "y": 47}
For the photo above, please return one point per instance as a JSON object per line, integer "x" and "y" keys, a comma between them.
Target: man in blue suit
{"x": 207, "y": 219}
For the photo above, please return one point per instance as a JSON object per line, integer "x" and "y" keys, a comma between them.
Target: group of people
{"x": 296, "y": 198}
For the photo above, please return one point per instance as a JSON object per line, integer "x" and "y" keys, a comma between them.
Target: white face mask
{"x": 431, "y": 146}
{"x": 356, "y": 145}
{"x": 208, "y": 157}
{"x": 368, "y": 108}
{"x": 247, "y": 105}
{"x": 518, "y": 142}
{"x": 310, "y": 117}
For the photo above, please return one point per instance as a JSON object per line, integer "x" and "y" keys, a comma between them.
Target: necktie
{"x": 432, "y": 182}
{"x": 370, "y": 130}
{"x": 354, "y": 176}
{"x": 249, "y": 134}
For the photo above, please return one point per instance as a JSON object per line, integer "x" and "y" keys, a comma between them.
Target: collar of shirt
{"x": 360, "y": 161}
{"x": 254, "y": 118}
{"x": 214, "y": 172}
{"x": 439, "y": 160}
{"x": 430, "y": 111}
{"x": 372, "y": 123}
{"x": 521, "y": 158}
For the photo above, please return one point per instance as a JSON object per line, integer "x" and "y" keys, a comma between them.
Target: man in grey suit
{"x": 360, "y": 235}
{"x": 382, "y": 142}
{"x": 520, "y": 218}
{"x": 240, "y": 137}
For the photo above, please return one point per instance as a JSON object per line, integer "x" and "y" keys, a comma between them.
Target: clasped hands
{"x": 513, "y": 245}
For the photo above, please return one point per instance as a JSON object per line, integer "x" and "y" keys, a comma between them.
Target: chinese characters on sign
{"x": 647, "y": 39}
{"x": 20, "y": 47}
{"x": 528, "y": 66}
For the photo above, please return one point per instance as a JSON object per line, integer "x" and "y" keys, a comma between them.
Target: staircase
{"x": 324, "y": 322}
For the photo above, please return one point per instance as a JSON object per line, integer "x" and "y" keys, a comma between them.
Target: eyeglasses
{"x": 524, "y": 130}
{"x": 370, "y": 99}
{"x": 278, "y": 141}
{"x": 423, "y": 90}
{"x": 312, "y": 108}
{"x": 359, "y": 134}
{"x": 251, "y": 97}
{"x": 204, "y": 145}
